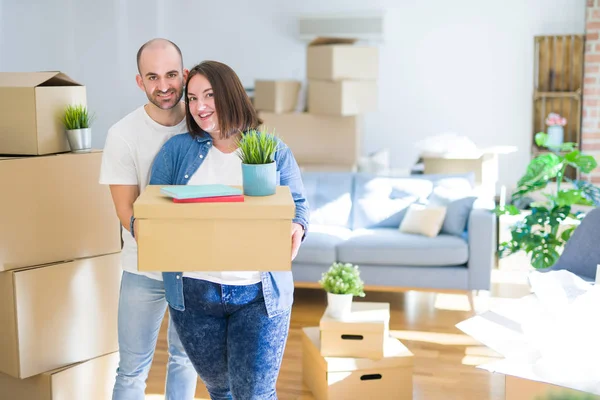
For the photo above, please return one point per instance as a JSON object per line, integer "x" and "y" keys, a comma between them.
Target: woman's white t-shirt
{"x": 226, "y": 169}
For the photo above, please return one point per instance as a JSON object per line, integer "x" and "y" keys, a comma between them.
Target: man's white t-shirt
{"x": 226, "y": 169}
{"x": 130, "y": 149}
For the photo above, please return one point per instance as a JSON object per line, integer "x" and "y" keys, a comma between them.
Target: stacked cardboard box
{"x": 342, "y": 86}
{"x": 356, "y": 358}
{"x": 59, "y": 242}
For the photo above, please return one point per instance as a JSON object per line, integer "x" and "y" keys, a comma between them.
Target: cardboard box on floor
{"x": 31, "y": 109}
{"x": 53, "y": 209}
{"x": 342, "y": 98}
{"x": 332, "y": 378}
{"x": 276, "y": 96}
{"x": 58, "y": 314}
{"x": 525, "y": 389}
{"x": 318, "y": 139}
{"x": 89, "y": 380}
{"x": 254, "y": 235}
{"x": 360, "y": 334}
{"x": 336, "y": 59}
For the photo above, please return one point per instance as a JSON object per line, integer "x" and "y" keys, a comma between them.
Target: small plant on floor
{"x": 343, "y": 279}
{"x": 539, "y": 234}
{"x": 77, "y": 117}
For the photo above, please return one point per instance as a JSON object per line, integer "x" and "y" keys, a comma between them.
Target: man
{"x": 131, "y": 145}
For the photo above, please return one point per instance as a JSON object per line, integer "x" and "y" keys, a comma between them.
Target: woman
{"x": 233, "y": 325}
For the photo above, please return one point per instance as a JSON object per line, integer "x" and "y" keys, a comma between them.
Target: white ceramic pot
{"x": 339, "y": 305}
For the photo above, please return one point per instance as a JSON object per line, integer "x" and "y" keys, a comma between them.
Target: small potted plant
{"x": 77, "y": 122}
{"x": 555, "y": 131}
{"x": 259, "y": 172}
{"x": 341, "y": 282}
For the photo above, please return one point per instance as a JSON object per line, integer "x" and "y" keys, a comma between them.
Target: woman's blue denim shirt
{"x": 179, "y": 159}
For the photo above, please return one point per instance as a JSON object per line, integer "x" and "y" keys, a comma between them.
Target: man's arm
{"x": 123, "y": 197}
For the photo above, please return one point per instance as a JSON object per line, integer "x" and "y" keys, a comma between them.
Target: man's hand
{"x": 135, "y": 229}
{"x": 297, "y": 233}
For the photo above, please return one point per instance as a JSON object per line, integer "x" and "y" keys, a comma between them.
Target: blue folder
{"x": 199, "y": 191}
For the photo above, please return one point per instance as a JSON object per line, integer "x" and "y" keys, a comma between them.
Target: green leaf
{"x": 566, "y": 235}
{"x": 257, "y": 147}
{"x": 507, "y": 209}
{"x": 589, "y": 191}
{"x": 545, "y": 258}
{"x": 77, "y": 117}
{"x": 570, "y": 197}
{"x": 539, "y": 171}
{"x": 568, "y": 146}
{"x": 541, "y": 139}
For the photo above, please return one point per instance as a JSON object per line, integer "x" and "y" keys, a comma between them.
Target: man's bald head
{"x": 157, "y": 44}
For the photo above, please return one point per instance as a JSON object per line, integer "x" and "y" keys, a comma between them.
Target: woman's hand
{"x": 297, "y": 233}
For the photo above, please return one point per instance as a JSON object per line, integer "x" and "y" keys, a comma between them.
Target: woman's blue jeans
{"x": 233, "y": 344}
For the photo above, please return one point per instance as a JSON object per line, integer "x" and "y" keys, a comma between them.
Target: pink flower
{"x": 555, "y": 119}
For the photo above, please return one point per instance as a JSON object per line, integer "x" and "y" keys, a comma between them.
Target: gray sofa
{"x": 355, "y": 219}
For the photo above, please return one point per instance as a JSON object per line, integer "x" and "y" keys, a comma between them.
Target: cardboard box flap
{"x": 321, "y": 41}
{"x": 395, "y": 355}
{"x": 34, "y": 79}
{"x": 153, "y": 204}
{"x": 365, "y": 317}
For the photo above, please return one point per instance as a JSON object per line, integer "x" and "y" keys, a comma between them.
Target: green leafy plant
{"x": 257, "y": 147}
{"x": 538, "y": 234}
{"x": 77, "y": 117}
{"x": 343, "y": 278}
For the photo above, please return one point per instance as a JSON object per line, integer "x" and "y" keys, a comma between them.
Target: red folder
{"x": 214, "y": 199}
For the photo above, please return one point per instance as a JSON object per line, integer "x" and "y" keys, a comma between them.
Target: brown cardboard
{"x": 338, "y": 59}
{"x": 89, "y": 380}
{"x": 58, "y": 314}
{"x": 53, "y": 209}
{"x": 254, "y": 235}
{"x": 31, "y": 108}
{"x": 342, "y": 97}
{"x": 525, "y": 389}
{"x": 361, "y": 334}
{"x": 332, "y": 378}
{"x": 318, "y": 139}
{"x": 276, "y": 96}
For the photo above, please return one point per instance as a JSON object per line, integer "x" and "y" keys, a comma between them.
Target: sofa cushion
{"x": 457, "y": 195}
{"x": 319, "y": 247}
{"x": 382, "y": 202}
{"x": 386, "y": 246}
{"x": 329, "y": 197}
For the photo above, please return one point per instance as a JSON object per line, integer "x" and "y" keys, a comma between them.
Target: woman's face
{"x": 202, "y": 104}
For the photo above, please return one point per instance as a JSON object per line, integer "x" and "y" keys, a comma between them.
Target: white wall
{"x": 464, "y": 66}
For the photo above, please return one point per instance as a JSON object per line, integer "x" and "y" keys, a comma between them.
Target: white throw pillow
{"x": 423, "y": 220}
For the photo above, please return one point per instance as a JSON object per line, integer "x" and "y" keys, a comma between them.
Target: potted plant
{"x": 539, "y": 234}
{"x": 556, "y": 131}
{"x": 341, "y": 282}
{"x": 77, "y": 122}
{"x": 259, "y": 172}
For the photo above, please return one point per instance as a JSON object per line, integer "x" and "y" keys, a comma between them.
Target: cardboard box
{"x": 332, "y": 378}
{"x": 361, "y": 334}
{"x": 525, "y": 389}
{"x": 254, "y": 235}
{"x": 338, "y": 59}
{"x": 276, "y": 96}
{"x": 89, "y": 380}
{"x": 58, "y": 314}
{"x": 31, "y": 109}
{"x": 53, "y": 209}
{"x": 318, "y": 139}
{"x": 342, "y": 97}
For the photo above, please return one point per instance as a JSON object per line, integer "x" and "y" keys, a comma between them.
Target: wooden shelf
{"x": 541, "y": 95}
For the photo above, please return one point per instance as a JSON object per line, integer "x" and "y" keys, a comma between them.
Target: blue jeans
{"x": 234, "y": 345}
{"x": 142, "y": 306}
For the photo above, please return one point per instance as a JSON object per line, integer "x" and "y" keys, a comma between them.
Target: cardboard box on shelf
{"x": 331, "y": 378}
{"x": 360, "y": 334}
{"x": 58, "y": 314}
{"x": 342, "y": 98}
{"x": 318, "y": 139}
{"x": 31, "y": 109}
{"x": 336, "y": 59}
{"x": 277, "y": 96}
{"x": 200, "y": 236}
{"x": 525, "y": 389}
{"x": 90, "y": 380}
{"x": 53, "y": 209}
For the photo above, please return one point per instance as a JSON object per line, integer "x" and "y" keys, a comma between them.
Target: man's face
{"x": 161, "y": 76}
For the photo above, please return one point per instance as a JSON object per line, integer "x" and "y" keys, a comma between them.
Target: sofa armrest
{"x": 481, "y": 233}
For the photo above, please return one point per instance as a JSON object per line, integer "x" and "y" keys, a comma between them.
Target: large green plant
{"x": 77, "y": 117}
{"x": 257, "y": 147}
{"x": 538, "y": 233}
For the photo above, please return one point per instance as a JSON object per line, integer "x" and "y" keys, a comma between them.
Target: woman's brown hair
{"x": 235, "y": 112}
